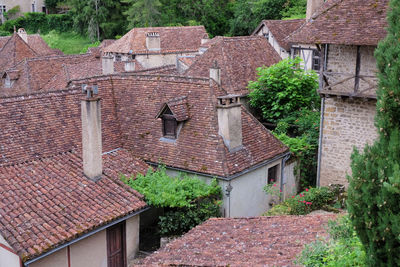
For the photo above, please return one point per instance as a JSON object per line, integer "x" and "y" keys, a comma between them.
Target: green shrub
{"x": 342, "y": 249}
{"x": 305, "y": 202}
{"x": 187, "y": 201}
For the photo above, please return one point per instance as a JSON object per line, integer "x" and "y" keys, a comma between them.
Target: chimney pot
{"x": 312, "y": 7}
{"x": 91, "y": 133}
{"x": 22, "y": 33}
{"x": 230, "y": 121}
{"x": 153, "y": 41}
{"x": 215, "y": 72}
{"x": 107, "y": 63}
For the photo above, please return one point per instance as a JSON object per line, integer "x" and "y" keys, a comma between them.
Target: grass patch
{"x": 67, "y": 42}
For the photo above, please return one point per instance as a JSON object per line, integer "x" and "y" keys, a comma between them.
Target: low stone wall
{"x": 347, "y": 123}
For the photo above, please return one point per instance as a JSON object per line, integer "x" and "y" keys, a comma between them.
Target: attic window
{"x": 266, "y": 35}
{"x": 170, "y": 126}
{"x": 117, "y": 58}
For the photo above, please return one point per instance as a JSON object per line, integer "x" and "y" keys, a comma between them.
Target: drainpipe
{"x": 321, "y": 124}
{"x": 228, "y": 194}
{"x": 321, "y": 128}
{"x": 286, "y": 158}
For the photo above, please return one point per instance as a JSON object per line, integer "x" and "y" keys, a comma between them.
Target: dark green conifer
{"x": 374, "y": 189}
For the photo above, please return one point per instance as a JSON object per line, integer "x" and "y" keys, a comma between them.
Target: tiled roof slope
{"x": 36, "y": 43}
{"x": 173, "y": 40}
{"x": 238, "y": 59}
{"x": 260, "y": 241}
{"x": 37, "y": 73}
{"x": 47, "y": 202}
{"x": 280, "y": 29}
{"x": 41, "y": 125}
{"x": 14, "y": 51}
{"x": 199, "y": 147}
{"x": 347, "y": 22}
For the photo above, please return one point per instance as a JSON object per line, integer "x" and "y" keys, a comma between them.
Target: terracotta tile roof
{"x": 179, "y": 108}
{"x": 280, "y": 29}
{"x": 40, "y": 125}
{"x": 14, "y": 51}
{"x": 172, "y": 40}
{"x": 38, "y": 74}
{"x": 347, "y": 22}
{"x": 238, "y": 59}
{"x": 188, "y": 61}
{"x": 199, "y": 147}
{"x": 47, "y": 202}
{"x": 165, "y": 70}
{"x": 260, "y": 241}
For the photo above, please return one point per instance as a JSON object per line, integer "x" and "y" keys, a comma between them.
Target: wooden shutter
{"x": 116, "y": 255}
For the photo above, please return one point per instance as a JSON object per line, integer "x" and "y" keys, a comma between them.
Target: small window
{"x": 169, "y": 126}
{"x": 266, "y": 35}
{"x": 33, "y": 8}
{"x": 3, "y": 9}
{"x": 316, "y": 60}
{"x": 118, "y": 58}
{"x": 7, "y": 82}
{"x": 273, "y": 174}
{"x": 44, "y": 10}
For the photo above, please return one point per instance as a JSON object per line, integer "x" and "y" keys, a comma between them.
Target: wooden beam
{"x": 358, "y": 62}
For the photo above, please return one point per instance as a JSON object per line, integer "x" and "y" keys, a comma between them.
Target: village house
{"x": 233, "y": 61}
{"x": 276, "y": 31}
{"x": 346, "y": 33}
{"x": 157, "y": 46}
{"x": 61, "y": 199}
{"x": 24, "y": 5}
{"x": 258, "y": 241}
{"x": 192, "y": 125}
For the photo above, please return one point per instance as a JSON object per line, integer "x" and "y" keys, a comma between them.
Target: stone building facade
{"x": 346, "y": 33}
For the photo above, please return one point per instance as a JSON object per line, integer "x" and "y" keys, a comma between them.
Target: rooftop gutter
{"x": 26, "y": 264}
{"x": 224, "y": 178}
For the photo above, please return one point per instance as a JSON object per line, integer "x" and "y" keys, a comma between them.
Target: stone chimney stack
{"x": 22, "y": 33}
{"x": 130, "y": 65}
{"x": 91, "y": 133}
{"x": 107, "y": 63}
{"x": 230, "y": 121}
{"x": 153, "y": 42}
{"x": 312, "y": 7}
{"x": 215, "y": 73}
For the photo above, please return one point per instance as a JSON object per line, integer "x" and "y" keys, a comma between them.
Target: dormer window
{"x": 170, "y": 124}
{"x": 173, "y": 114}
{"x": 7, "y": 82}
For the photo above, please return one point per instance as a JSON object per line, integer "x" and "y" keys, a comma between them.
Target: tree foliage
{"x": 143, "y": 13}
{"x": 374, "y": 189}
{"x": 282, "y": 89}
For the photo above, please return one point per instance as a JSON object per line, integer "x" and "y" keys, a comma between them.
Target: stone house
{"x": 61, "y": 201}
{"x": 192, "y": 125}
{"x": 233, "y": 62}
{"x": 157, "y": 46}
{"x": 346, "y": 33}
{"x": 25, "y": 6}
{"x": 276, "y": 31}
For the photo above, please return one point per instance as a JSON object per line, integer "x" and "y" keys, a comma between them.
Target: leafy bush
{"x": 68, "y": 42}
{"x": 305, "y": 202}
{"x": 178, "y": 221}
{"x": 32, "y": 22}
{"x": 282, "y": 89}
{"x": 342, "y": 249}
{"x": 187, "y": 201}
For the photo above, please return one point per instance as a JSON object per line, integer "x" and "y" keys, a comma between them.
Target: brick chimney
{"x": 215, "y": 73}
{"x": 91, "y": 133}
{"x": 153, "y": 42}
{"x": 312, "y": 7}
{"x": 22, "y": 33}
{"x": 130, "y": 65}
{"x": 230, "y": 121}
{"x": 107, "y": 63}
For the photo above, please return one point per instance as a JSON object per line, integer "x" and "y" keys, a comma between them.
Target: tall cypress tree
{"x": 374, "y": 189}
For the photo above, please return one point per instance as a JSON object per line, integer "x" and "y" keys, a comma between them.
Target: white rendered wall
{"x": 7, "y": 258}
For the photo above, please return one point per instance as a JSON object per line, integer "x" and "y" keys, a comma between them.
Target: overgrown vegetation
{"x": 307, "y": 201}
{"x": 286, "y": 94}
{"x": 68, "y": 42}
{"x": 343, "y": 248}
{"x": 374, "y": 189}
{"x": 187, "y": 201}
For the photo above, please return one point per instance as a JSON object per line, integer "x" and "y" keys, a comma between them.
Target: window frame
{"x": 276, "y": 176}
{"x": 169, "y": 118}
{"x": 316, "y": 57}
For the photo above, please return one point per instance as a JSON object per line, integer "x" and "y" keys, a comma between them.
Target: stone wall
{"x": 347, "y": 123}
{"x": 342, "y": 59}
